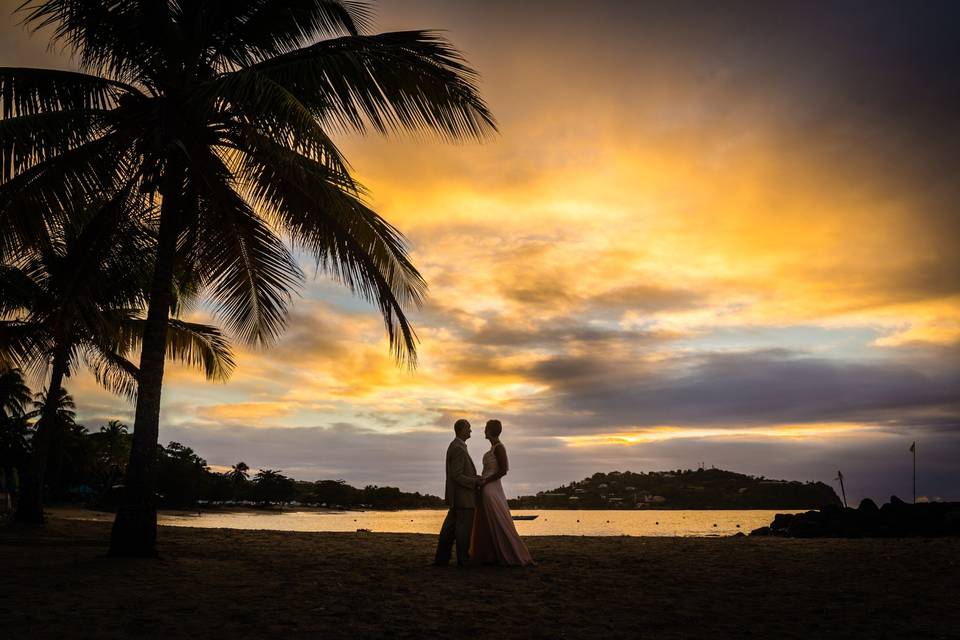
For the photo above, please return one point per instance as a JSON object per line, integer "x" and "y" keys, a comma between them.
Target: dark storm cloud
{"x": 742, "y": 389}
{"x": 648, "y": 298}
{"x": 847, "y": 61}
{"x": 559, "y": 332}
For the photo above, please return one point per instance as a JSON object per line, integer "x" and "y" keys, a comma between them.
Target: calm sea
{"x": 548, "y": 523}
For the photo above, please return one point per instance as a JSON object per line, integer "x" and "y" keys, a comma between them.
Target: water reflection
{"x": 548, "y": 523}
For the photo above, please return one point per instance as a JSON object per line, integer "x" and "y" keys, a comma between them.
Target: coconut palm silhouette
{"x": 77, "y": 300}
{"x": 223, "y": 111}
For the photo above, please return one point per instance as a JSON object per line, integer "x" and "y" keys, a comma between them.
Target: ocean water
{"x": 548, "y": 522}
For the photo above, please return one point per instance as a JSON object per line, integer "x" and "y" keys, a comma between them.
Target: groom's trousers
{"x": 456, "y": 528}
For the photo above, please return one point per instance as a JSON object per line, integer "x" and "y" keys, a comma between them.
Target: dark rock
{"x": 830, "y": 510}
{"x": 782, "y": 521}
{"x": 951, "y": 523}
{"x": 808, "y": 528}
{"x": 762, "y": 531}
{"x": 740, "y": 534}
{"x": 894, "y": 519}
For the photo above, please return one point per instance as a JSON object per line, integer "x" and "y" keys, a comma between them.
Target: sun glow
{"x": 664, "y": 433}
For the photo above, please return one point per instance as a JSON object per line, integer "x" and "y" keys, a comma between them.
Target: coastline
{"x": 640, "y": 523}
{"x": 345, "y": 585}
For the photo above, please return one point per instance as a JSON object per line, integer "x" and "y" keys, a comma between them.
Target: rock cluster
{"x": 896, "y": 519}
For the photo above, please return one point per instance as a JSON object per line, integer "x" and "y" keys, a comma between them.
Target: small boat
{"x": 525, "y": 517}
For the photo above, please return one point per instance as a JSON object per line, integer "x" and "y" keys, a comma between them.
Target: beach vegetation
{"x": 76, "y": 300}
{"x": 223, "y": 113}
{"x": 681, "y": 489}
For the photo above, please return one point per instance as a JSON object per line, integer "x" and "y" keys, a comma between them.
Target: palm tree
{"x": 58, "y": 404}
{"x": 57, "y": 410}
{"x": 14, "y": 447}
{"x": 14, "y": 430}
{"x": 239, "y": 477}
{"x": 75, "y": 298}
{"x": 239, "y": 473}
{"x": 224, "y": 109}
{"x": 113, "y": 439}
{"x": 112, "y": 443}
{"x": 270, "y": 485}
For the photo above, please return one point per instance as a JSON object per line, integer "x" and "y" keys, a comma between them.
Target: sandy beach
{"x": 227, "y": 583}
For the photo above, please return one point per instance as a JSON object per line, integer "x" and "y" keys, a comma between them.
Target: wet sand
{"x": 220, "y": 583}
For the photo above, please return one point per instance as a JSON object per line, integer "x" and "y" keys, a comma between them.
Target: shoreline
{"x": 367, "y": 585}
{"x": 696, "y": 523}
{"x": 57, "y": 510}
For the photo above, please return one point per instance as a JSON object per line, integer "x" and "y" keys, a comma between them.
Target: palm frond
{"x": 28, "y": 344}
{"x": 106, "y": 251}
{"x": 111, "y": 370}
{"x": 196, "y": 345}
{"x": 123, "y": 40}
{"x": 28, "y": 140}
{"x": 245, "y": 31}
{"x": 20, "y": 288}
{"x": 261, "y": 106}
{"x": 402, "y": 81}
{"x": 24, "y": 344}
{"x": 351, "y": 243}
{"x": 37, "y": 200}
{"x": 247, "y": 270}
{"x": 202, "y": 346}
{"x": 25, "y": 91}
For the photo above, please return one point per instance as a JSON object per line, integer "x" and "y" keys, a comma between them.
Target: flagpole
{"x": 843, "y": 491}
{"x": 914, "y": 450}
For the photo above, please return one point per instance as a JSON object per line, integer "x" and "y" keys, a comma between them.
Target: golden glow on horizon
{"x": 665, "y": 433}
{"x": 239, "y": 411}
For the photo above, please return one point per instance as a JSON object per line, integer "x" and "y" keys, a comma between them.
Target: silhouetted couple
{"x": 479, "y": 520}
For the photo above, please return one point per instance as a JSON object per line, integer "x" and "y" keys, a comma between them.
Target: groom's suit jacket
{"x": 461, "y": 492}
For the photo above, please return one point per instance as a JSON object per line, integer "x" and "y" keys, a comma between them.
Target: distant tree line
{"x": 88, "y": 467}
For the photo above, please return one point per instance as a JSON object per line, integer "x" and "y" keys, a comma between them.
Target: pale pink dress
{"x": 495, "y": 538}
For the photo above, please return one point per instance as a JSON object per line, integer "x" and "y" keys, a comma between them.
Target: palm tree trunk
{"x": 30, "y": 504}
{"x": 134, "y": 531}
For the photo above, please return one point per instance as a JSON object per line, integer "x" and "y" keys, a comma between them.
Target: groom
{"x": 461, "y": 498}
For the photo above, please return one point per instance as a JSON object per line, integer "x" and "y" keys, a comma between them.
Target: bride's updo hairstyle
{"x": 494, "y": 428}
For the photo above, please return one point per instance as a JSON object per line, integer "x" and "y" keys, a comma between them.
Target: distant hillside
{"x": 700, "y": 489}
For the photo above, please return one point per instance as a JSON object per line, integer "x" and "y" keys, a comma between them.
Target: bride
{"x": 495, "y": 538}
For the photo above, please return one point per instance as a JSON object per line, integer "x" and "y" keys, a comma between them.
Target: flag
{"x": 913, "y": 447}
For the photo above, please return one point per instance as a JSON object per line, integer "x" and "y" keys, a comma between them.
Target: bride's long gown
{"x": 495, "y": 538}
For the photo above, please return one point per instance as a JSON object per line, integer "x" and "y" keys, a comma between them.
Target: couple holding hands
{"x": 479, "y": 519}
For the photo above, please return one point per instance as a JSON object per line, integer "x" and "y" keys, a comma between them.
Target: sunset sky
{"x": 703, "y": 234}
